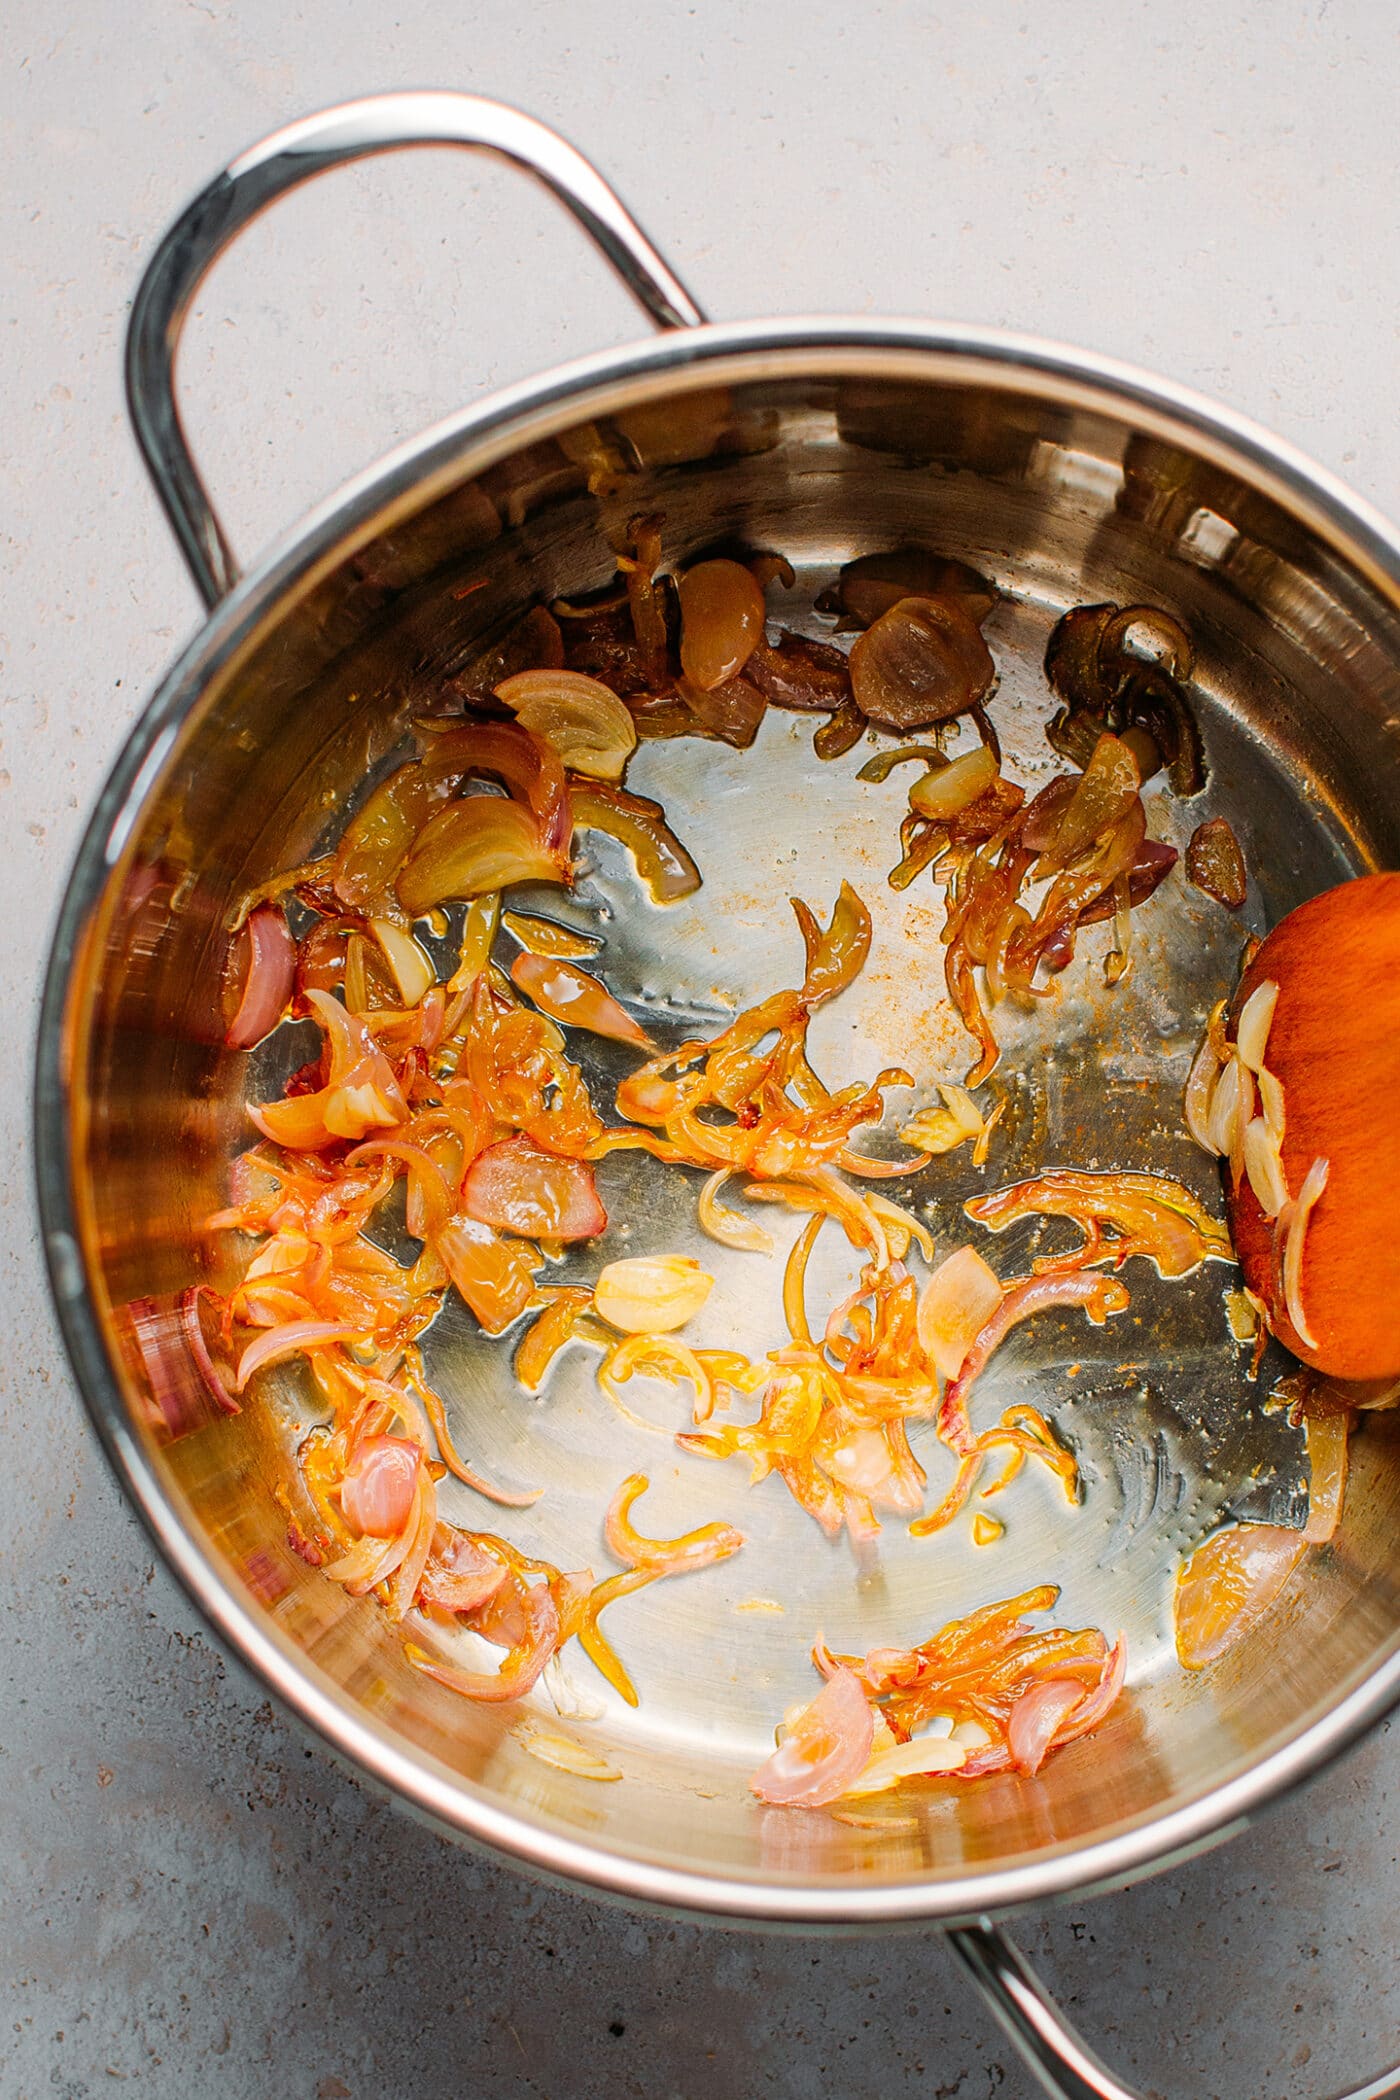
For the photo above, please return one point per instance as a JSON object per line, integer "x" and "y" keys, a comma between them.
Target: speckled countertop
{"x": 195, "y": 1903}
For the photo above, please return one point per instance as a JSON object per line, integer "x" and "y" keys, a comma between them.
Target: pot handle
{"x": 350, "y": 131}
{"x": 1022, "y": 2005}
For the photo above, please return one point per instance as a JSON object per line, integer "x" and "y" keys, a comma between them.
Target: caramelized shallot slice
{"x": 1215, "y": 864}
{"x": 730, "y": 1227}
{"x": 1102, "y": 797}
{"x": 546, "y": 937}
{"x": 538, "y": 1638}
{"x": 872, "y": 583}
{"x": 566, "y": 993}
{"x": 948, "y": 790}
{"x": 901, "y": 1226}
{"x": 955, "y": 1305}
{"x": 1327, "y": 1435}
{"x": 1100, "y": 1699}
{"x": 494, "y": 1276}
{"x": 376, "y": 1494}
{"x": 679, "y": 1556}
{"x": 651, "y": 1294}
{"x": 1036, "y": 1718}
{"x": 923, "y": 661}
{"x": 1292, "y": 1225}
{"x": 1263, "y": 1165}
{"x": 362, "y": 1093}
{"x": 389, "y": 827}
{"x": 290, "y": 1338}
{"x": 826, "y": 1748}
{"x": 722, "y": 615}
{"x": 413, "y": 972}
{"x": 662, "y": 861}
{"x": 1200, "y": 1089}
{"x": 836, "y": 956}
{"x": 268, "y": 975}
{"x": 1150, "y": 1214}
{"x": 514, "y": 1187}
{"x": 1231, "y": 1110}
{"x": 460, "y": 1575}
{"x": 923, "y": 1757}
{"x": 806, "y": 676}
{"x": 1151, "y": 866}
{"x": 581, "y": 717}
{"x": 1225, "y": 1588}
{"x": 470, "y": 849}
{"x": 1255, "y": 1021}
{"x": 1099, "y": 1297}
{"x": 563, "y": 1310}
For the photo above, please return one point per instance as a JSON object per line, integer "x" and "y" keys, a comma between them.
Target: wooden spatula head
{"x": 1335, "y": 1046}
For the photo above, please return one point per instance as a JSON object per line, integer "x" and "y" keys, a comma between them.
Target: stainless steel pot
{"x": 1066, "y": 477}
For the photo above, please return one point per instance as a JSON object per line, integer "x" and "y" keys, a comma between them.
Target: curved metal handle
{"x": 351, "y": 131}
{"x": 1060, "y": 2060}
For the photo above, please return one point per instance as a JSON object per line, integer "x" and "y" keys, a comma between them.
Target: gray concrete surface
{"x": 193, "y": 1902}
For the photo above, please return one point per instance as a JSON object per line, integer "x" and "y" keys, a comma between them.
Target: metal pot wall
{"x": 1065, "y": 477}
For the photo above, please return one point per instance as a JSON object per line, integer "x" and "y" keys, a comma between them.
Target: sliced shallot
{"x": 515, "y": 1187}
{"x": 950, "y": 789}
{"x": 722, "y": 613}
{"x": 956, "y": 1303}
{"x": 460, "y": 1575}
{"x": 1263, "y": 1166}
{"x": 923, "y": 1757}
{"x": 1327, "y": 1435}
{"x": 269, "y": 974}
{"x": 1099, "y": 1297}
{"x": 292, "y": 1338}
{"x": 413, "y": 972}
{"x": 1200, "y": 1089}
{"x": 1215, "y": 864}
{"x": 730, "y": 1227}
{"x": 826, "y": 1748}
{"x": 473, "y": 848}
{"x": 582, "y": 718}
{"x": 923, "y": 661}
{"x": 537, "y": 1641}
{"x": 1255, "y": 1021}
{"x": 566, "y": 993}
{"x": 662, "y": 861}
{"x": 494, "y": 1276}
{"x": 1227, "y": 1585}
{"x": 1088, "y": 1716}
{"x": 1231, "y": 1109}
{"x": 1292, "y": 1225}
{"x": 651, "y": 1294}
{"x": 835, "y": 955}
{"x": 376, "y": 1494}
{"x": 679, "y": 1556}
{"x": 1036, "y": 1718}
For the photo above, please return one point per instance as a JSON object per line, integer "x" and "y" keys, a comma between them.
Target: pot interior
{"x": 1063, "y": 492}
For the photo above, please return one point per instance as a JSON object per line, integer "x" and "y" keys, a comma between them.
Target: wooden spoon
{"x": 1334, "y": 1044}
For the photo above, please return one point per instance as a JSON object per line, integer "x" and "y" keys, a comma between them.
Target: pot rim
{"x": 405, "y": 478}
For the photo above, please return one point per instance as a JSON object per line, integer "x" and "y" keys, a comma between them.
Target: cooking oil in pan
{"x": 1168, "y": 1430}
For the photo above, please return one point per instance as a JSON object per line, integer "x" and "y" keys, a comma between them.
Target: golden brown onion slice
{"x": 721, "y": 621}
{"x": 923, "y": 661}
